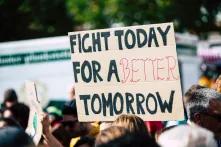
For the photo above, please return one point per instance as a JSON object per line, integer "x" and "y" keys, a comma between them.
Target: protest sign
{"x": 34, "y": 128}
{"x": 128, "y": 70}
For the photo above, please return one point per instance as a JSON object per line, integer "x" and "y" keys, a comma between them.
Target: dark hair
{"x": 20, "y": 112}
{"x": 85, "y": 140}
{"x": 70, "y": 108}
{"x": 10, "y": 95}
{"x": 14, "y": 137}
{"x": 189, "y": 93}
{"x": 199, "y": 101}
{"x": 10, "y": 122}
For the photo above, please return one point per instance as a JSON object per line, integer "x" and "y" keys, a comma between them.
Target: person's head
{"x": 110, "y": 134}
{"x": 131, "y": 122}
{"x": 70, "y": 119}
{"x": 131, "y": 140}
{"x": 187, "y": 136}
{"x": 201, "y": 111}
{"x": 19, "y": 112}
{"x": 10, "y": 98}
{"x": 14, "y": 137}
{"x": 190, "y": 92}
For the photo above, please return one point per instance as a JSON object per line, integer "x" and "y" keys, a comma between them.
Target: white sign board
{"x": 34, "y": 128}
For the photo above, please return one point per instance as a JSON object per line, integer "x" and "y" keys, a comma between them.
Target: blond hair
{"x": 110, "y": 134}
{"x": 132, "y": 123}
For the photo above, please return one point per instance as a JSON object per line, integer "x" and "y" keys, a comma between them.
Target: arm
{"x": 50, "y": 140}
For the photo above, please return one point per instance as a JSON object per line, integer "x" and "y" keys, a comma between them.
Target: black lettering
{"x": 119, "y": 33}
{"x": 105, "y": 35}
{"x": 73, "y": 42}
{"x": 126, "y": 39}
{"x": 164, "y": 34}
{"x": 129, "y": 101}
{"x": 96, "y": 69}
{"x": 89, "y": 49}
{"x": 76, "y": 69}
{"x": 85, "y": 98}
{"x": 152, "y": 36}
{"x": 164, "y": 105}
{"x": 96, "y": 42}
{"x": 144, "y": 42}
{"x": 96, "y": 96}
{"x": 112, "y": 70}
{"x": 118, "y": 95}
{"x": 79, "y": 42}
{"x": 140, "y": 99}
{"x": 86, "y": 78}
{"x": 147, "y": 104}
{"x": 107, "y": 102}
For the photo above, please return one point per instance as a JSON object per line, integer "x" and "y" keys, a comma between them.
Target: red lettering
{"x": 126, "y": 70}
{"x": 133, "y": 70}
{"x": 149, "y": 69}
{"x": 159, "y": 68}
{"x": 171, "y": 65}
{"x": 145, "y": 72}
{"x": 152, "y": 61}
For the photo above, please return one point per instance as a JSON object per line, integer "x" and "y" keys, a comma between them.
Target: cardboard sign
{"x": 34, "y": 128}
{"x": 128, "y": 70}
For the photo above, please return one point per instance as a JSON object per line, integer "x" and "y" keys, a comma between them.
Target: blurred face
{"x": 8, "y": 104}
{"x": 73, "y": 126}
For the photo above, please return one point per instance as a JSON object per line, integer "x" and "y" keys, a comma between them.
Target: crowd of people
{"x": 61, "y": 128}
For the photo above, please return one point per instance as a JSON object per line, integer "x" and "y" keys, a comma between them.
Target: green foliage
{"x": 103, "y": 13}
{"x": 142, "y": 11}
{"x": 96, "y": 13}
{"x": 23, "y": 19}
{"x": 197, "y": 15}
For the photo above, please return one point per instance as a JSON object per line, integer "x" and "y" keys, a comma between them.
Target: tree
{"x": 101, "y": 14}
{"x": 197, "y": 15}
{"x": 43, "y": 18}
{"x": 32, "y": 19}
{"x": 95, "y": 13}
